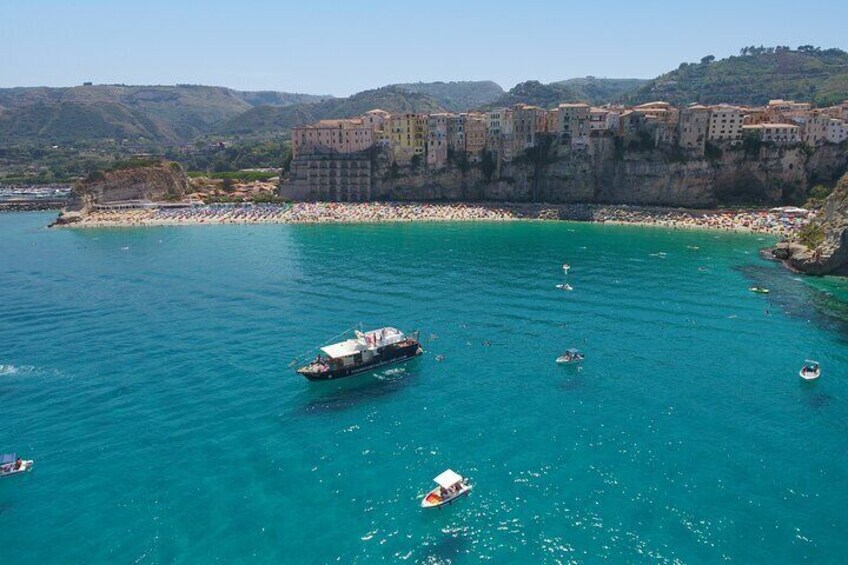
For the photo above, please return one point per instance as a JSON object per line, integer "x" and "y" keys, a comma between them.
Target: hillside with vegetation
{"x": 589, "y": 89}
{"x": 269, "y": 120}
{"x": 755, "y": 76}
{"x": 602, "y": 90}
{"x": 157, "y": 114}
{"x": 459, "y": 96}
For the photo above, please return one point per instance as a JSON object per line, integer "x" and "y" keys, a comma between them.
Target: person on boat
{"x": 18, "y": 463}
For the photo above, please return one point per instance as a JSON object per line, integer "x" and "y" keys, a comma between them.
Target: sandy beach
{"x": 749, "y": 220}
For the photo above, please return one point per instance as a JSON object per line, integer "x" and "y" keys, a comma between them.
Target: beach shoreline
{"x": 748, "y": 220}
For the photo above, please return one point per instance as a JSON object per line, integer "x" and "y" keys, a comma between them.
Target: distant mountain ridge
{"x": 758, "y": 74}
{"x": 159, "y": 114}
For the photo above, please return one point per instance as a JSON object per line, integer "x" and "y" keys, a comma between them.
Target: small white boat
{"x": 810, "y": 371}
{"x": 571, "y": 356}
{"x": 759, "y": 289}
{"x": 566, "y": 267}
{"x": 451, "y": 486}
{"x": 12, "y": 465}
{"x": 564, "y": 286}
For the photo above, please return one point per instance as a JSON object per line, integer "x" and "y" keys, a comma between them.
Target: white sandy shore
{"x": 756, "y": 221}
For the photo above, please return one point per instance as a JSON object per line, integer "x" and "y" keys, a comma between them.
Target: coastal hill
{"x": 156, "y": 114}
{"x": 270, "y": 120}
{"x": 589, "y": 89}
{"x": 822, "y": 246}
{"x": 458, "y": 96}
{"x": 756, "y": 75}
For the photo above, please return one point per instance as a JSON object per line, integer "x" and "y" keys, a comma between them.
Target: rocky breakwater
{"x": 821, "y": 247}
{"x": 127, "y": 185}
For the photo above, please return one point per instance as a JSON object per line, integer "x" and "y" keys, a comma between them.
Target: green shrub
{"x": 820, "y": 192}
{"x": 811, "y": 235}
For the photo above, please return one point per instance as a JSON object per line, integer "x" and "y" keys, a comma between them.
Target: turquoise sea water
{"x": 145, "y": 372}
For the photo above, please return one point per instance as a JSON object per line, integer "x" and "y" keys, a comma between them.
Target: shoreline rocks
{"x": 821, "y": 247}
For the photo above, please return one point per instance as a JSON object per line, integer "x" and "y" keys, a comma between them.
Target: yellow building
{"x": 407, "y": 134}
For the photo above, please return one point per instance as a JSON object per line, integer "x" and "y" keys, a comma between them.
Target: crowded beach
{"x": 777, "y": 222}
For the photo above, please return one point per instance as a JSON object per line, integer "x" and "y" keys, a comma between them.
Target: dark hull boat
{"x": 366, "y": 351}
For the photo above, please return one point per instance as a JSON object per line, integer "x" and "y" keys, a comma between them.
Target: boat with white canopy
{"x": 451, "y": 486}
{"x": 365, "y": 351}
{"x": 10, "y": 465}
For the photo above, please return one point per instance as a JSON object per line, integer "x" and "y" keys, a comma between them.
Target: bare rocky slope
{"x": 154, "y": 181}
{"x": 822, "y": 246}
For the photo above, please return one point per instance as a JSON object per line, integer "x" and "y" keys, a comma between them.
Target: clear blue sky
{"x": 343, "y": 46}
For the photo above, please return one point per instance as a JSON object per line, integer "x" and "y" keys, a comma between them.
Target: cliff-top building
{"x": 725, "y": 123}
{"x": 332, "y": 136}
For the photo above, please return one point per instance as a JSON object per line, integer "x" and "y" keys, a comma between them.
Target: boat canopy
{"x": 344, "y": 348}
{"x": 811, "y": 363}
{"x": 448, "y": 479}
{"x": 372, "y": 339}
{"x": 573, "y": 351}
{"x": 7, "y": 458}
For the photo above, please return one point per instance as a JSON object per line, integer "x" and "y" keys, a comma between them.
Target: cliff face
{"x": 822, "y": 246}
{"x": 157, "y": 181}
{"x": 605, "y": 174}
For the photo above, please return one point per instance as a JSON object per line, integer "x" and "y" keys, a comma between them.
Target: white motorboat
{"x": 12, "y": 465}
{"x": 564, "y": 286}
{"x": 451, "y": 486}
{"x": 810, "y": 371}
{"x": 571, "y": 356}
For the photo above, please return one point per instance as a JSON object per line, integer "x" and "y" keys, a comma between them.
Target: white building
{"x": 725, "y": 123}
{"x": 781, "y": 134}
{"x": 837, "y": 131}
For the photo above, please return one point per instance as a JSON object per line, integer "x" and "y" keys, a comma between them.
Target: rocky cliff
{"x": 604, "y": 173}
{"x": 148, "y": 181}
{"x": 154, "y": 181}
{"x": 821, "y": 248}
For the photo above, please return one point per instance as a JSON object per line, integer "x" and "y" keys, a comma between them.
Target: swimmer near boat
{"x": 810, "y": 371}
{"x": 364, "y": 351}
{"x": 571, "y": 356}
{"x": 451, "y": 487}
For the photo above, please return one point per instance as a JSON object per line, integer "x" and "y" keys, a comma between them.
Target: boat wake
{"x": 15, "y": 370}
{"x": 391, "y": 374}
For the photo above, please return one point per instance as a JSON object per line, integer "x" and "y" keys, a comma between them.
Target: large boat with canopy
{"x": 365, "y": 351}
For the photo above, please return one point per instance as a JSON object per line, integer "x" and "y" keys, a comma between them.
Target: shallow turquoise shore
{"x": 145, "y": 372}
